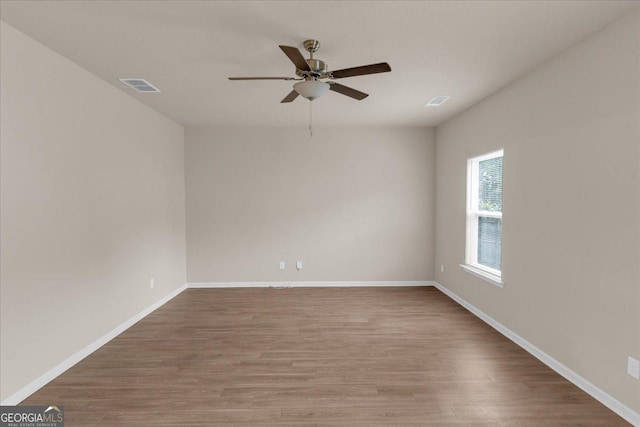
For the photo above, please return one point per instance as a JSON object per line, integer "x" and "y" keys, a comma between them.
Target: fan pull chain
{"x": 311, "y": 119}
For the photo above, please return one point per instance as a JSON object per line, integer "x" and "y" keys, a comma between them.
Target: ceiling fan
{"x": 313, "y": 71}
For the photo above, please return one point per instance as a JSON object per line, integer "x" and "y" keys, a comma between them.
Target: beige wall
{"x": 92, "y": 208}
{"x": 571, "y": 258}
{"x": 352, "y": 204}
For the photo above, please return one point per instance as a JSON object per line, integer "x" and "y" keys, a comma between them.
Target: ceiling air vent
{"x": 140, "y": 85}
{"x": 437, "y": 101}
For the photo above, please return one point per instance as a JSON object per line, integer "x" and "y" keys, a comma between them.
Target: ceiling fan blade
{"x": 345, "y": 90}
{"x": 296, "y": 57}
{"x": 292, "y": 95}
{"x": 382, "y": 67}
{"x": 263, "y": 78}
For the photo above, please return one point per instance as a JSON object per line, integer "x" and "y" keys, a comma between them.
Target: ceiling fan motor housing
{"x": 318, "y": 69}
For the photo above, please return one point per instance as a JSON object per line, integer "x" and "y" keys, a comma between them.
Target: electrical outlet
{"x": 633, "y": 367}
{"x": 282, "y": 265}
{"x": 299, "y": 265}
{"x": 152, "y": 283}
{"x": 441, "y": 268}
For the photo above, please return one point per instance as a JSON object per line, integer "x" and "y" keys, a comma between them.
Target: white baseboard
{"x": 597, "y": 393}
{"x": 57, "y": 370}
{"x": 304, "y": 284}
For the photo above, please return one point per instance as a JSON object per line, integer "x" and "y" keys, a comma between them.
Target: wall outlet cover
{"x": 152, "y": 283}
{"x": 282, "y": 264}
{"x": 633, "y": 367}
{"x": 299, "y": 265}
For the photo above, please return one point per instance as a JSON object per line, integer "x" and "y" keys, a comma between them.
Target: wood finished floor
{"x": 316, "y": 357}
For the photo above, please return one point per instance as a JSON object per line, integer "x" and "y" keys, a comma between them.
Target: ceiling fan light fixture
{"x": 311, "y": 89}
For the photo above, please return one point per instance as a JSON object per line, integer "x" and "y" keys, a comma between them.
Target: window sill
{"x": 491, "y": 278}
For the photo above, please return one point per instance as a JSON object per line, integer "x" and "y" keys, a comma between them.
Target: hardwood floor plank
{"x": 316, "y": 357}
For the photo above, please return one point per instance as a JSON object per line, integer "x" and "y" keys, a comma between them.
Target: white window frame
{"x": 473, "y": 217}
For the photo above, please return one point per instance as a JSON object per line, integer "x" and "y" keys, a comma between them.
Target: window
{"x": 484, "y": 217}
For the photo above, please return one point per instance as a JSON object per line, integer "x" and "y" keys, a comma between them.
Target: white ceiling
{"x": 465, "y": 50}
